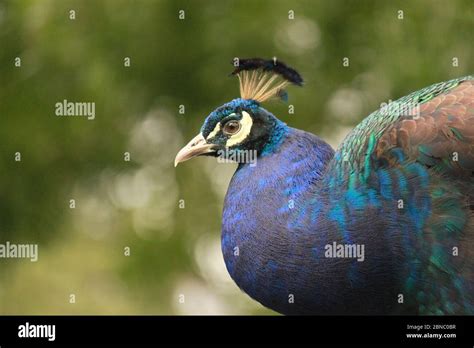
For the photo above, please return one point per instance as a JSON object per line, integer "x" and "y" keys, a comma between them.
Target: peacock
{"x": 384, "y": 225}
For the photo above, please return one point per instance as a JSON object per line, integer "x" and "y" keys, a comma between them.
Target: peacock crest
{"x": 261, "y": 79}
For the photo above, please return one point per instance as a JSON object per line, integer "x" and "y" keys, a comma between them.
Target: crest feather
{"x": 261, "y": 79}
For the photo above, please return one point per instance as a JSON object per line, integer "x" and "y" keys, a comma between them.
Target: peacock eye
{"x": 231, "y": 127}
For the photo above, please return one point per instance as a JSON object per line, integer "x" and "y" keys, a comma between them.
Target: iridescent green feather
{"x": 352, "y": 153}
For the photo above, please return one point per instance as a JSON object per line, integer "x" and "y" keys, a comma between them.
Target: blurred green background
{"x": 138, "y": 204}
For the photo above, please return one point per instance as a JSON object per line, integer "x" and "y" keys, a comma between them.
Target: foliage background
{"x": 135, "y": 204}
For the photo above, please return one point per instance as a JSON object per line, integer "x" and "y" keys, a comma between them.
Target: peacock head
{"x": 242, "y": 127}
{"x": 237, "y": 130}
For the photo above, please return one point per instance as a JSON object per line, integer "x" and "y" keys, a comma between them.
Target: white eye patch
{"x": 245, "y": 127}
{"x": 216, "y": 130}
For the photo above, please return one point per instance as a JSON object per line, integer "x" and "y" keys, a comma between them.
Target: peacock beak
{"x": 197, "y": 146}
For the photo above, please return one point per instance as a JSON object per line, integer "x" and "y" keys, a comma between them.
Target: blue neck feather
{"x": 277, "y": 137}
{"x": 261, "y": 208}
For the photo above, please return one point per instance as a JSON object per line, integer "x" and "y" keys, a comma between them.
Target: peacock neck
{"x": 264, "y": 205}
{"x": 277, "y": 136}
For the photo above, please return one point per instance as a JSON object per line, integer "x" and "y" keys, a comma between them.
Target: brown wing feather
{"x": 442, "y": 136}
